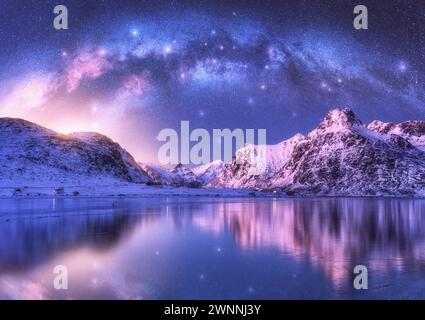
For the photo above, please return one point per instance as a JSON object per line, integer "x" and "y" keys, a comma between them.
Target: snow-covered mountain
{"x": 238, "y": 174}
{"x": 31, "y": 155}
{"x": 340, "y": 157}
{"x": 179, "y": 176}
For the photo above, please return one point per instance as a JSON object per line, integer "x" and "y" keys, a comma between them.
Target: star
{"x": 102, "y": 52}
{"x": 402, "y": 66}
{"x": 168, "y": 49}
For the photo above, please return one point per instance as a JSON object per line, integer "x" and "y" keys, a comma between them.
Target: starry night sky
{"x": 131, "y": 68}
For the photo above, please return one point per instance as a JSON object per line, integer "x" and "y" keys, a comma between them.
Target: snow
{"x": 119, "y": 189}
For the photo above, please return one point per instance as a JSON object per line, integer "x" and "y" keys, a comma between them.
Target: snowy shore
{"x": 125, "y": 190}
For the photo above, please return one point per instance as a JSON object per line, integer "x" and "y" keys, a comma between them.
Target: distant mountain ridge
{"x": 179, "y": 176}
{"x": 341, "y": 157}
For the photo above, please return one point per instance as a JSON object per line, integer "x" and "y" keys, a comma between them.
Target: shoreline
{"x": 144, "y": 191}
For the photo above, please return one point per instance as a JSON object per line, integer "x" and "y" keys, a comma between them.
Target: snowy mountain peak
{"x": 413, "y": 128}
{"x": 405, "y": 134}
{"x": 340, "y": 118}
{"x": 181, "y": 169}
{"x": 187, "y": 175}
{"x": 380, "y": 127}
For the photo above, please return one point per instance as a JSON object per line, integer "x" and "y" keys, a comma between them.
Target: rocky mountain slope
{"x": 33, "y": 155}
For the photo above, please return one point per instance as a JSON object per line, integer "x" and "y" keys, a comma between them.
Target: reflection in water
{"x": 211, "y": 248}
{"x": 31, "y": 237}
{"x": 335, "y": 234}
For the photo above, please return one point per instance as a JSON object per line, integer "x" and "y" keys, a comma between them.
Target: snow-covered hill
{"x": 340, "y": 157}
{"x": 31, "y": 155}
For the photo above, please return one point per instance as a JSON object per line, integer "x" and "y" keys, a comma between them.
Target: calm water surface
{"x": 211, "y": 248}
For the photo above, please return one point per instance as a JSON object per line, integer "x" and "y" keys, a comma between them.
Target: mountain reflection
{"x": 136, "y": 247}
{"x": 34, "y": 236}
{"x": 335, "y": 234}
